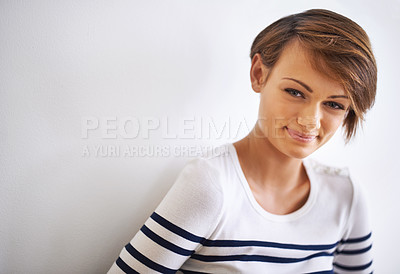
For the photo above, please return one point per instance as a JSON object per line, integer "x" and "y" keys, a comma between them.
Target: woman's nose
{"x": 309, "y": 122}
{"x": 310, "y": 118}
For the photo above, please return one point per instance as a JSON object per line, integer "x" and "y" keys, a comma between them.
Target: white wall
{"x": 63, "y": 63}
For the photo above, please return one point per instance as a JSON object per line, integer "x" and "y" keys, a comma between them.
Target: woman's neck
{"x": 266, "y": 167}
{"x": 279, "y": 183}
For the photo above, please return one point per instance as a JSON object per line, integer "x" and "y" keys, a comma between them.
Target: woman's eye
{"x": 294, "y": 93}
{"x": 334, "y": 105}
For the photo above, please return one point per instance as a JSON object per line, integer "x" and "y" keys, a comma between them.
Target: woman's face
{"x": 300, "y": 108}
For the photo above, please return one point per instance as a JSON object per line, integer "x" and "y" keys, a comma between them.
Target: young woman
{"x": 259, "y": 207}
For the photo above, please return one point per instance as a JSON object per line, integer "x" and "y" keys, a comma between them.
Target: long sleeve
{"x": 354, "y": 252}
{"x": 185, "y": 217}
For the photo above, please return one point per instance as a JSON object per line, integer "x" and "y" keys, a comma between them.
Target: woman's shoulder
{"x": 335, "y": 181}
{"x": 213, "y": 162}
{"x": 322, "y": 169}
{"x": 205, "y": 170}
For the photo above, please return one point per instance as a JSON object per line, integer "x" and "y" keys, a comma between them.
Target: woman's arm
{"x": 354, "y": 253}
{"x": 186, "y": 216}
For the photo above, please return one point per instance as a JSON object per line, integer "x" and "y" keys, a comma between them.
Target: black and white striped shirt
{"x": 209, "y": 222}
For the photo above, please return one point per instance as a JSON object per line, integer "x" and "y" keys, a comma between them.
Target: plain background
{"x": 63, "y": 211}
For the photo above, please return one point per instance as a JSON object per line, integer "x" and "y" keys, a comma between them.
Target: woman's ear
{"x": 258, "y": 73}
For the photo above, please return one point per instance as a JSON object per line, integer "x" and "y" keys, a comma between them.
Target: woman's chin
{"x": 295, "y": 149}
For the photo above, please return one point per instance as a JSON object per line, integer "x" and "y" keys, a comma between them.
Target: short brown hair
{"x": 338, "y": 47}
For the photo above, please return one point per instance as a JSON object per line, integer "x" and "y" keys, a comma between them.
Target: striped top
{"x": 210, "y": 222}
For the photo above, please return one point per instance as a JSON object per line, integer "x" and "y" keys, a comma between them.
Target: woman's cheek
{"x": 334, "y": 122}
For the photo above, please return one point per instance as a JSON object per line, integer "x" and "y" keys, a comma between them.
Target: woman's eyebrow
{"x": 299, "y": 82}
{"x": 310, "y": 90}
{"x": 338, "y": 96}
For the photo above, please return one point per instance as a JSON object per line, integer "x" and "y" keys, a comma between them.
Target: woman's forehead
{"x": 297, "y": 63}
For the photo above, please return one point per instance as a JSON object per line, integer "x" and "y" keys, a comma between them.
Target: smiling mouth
{"x": 298, "y": 136}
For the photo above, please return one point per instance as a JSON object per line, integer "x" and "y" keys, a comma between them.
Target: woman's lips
{"x": 300, "y": 137}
